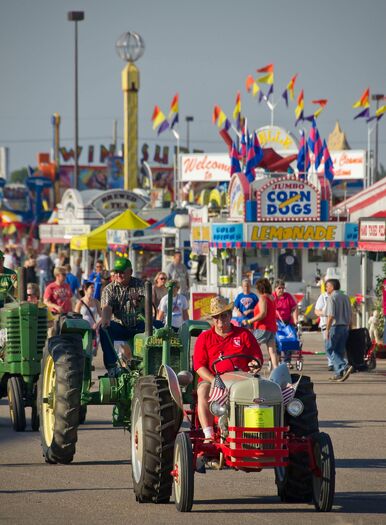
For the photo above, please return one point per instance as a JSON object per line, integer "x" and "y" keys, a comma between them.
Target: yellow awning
{"x": 96, "y": 240}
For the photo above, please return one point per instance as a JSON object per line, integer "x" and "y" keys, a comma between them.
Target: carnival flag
{"x": 173, "y": 114}
{"x": 237, "y": 111}
{"x": 259, "y": 153}
{"x": 253, "y": 87}
{"x": 290, "y": 89}
{"x": 378, "y": 114}
{"x": 159, "y": 120}
{"x": 315, "y": 144}
{"x": 328, "y": 164}
{"x": 244, "y": 141}
{"x": 268, "y": 78}
{"x": 235, "y": 162}
{"x": 363, "y": 114}
{"x": 303, "y": 161}
{"x": 250, "y": 163}
{"x": 220, "y": 119}
{"x": 363, "y": 102}
{"x": 299, "y": 110}
{"x": 219, "y": 391}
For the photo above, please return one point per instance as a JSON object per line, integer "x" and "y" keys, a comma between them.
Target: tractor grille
{"x": 155, "y": 359}
{"x": 257, "y": 435}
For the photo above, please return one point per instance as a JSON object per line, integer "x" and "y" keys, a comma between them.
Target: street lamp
{"x": 377, "y": 98}
{"x": 188, "y": 121}
{"x": 130, "y": 47}
{"x": 76, "y": 16}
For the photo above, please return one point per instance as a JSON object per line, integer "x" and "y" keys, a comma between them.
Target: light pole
{"x": 76, "y": 16}
{"x": 176, "y": 185}
{"x": 377, "y": 99}
{"x": 188, "y": 121}
{"x": 130, "y": 47}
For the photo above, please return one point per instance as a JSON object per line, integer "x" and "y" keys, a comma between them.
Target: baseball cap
{"x": 122, "y": 264}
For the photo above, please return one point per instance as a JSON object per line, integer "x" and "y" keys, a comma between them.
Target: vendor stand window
{"x": 323, "y": 255}
{"x": 289, "y": 265}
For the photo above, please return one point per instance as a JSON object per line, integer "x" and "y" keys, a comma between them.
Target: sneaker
{"x": 330, "y": 368}
{"x": 337, "y": 377}
{"x": 345, "y": 374}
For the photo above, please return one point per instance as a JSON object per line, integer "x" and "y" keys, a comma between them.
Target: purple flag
{"x": 235, "y": 163}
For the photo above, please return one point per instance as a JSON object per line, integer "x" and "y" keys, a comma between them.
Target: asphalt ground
{"x": 97, "y": 486}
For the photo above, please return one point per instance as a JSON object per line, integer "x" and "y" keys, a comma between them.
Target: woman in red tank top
{"x": 264, "y": 319}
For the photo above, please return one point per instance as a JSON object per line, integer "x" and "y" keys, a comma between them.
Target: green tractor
{"x": 23, "y": 332}
{"x": 149, "y": 383}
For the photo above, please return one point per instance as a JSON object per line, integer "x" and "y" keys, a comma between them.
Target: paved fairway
{"x": 97, "y": 487}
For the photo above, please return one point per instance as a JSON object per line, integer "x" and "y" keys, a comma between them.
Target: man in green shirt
{"x": 7, "y": 280}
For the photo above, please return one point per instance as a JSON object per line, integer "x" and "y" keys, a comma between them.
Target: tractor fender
{"x": 168, "y": 373}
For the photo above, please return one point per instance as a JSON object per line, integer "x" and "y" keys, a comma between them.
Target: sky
{"x": 202, "y": 49}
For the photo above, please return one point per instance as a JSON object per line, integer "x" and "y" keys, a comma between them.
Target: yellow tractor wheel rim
{"x": 48, "y": 400}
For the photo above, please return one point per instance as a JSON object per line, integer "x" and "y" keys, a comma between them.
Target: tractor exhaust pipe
{"x": 148, "y": 309}
{"x": 22, "y": 284}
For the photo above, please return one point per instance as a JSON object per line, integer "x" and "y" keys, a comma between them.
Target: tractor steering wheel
{"x": 244, "y": 356}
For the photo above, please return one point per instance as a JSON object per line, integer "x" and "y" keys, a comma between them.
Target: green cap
{"x": 122, "y": 264}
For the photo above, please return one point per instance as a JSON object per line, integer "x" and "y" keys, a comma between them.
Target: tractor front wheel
{"x": 323, "y": 481}
{"x": 15, "y": 389}
{"x": 152, "y": 439}
{"x": 183, "y": 473}
{"x": 60, "y": 385}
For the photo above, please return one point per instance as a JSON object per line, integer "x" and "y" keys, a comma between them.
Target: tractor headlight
{"x": 295, "y": 407}
{"x": 217, "y": 409}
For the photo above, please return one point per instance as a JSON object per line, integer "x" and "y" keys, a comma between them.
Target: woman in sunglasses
{"x": 159, "y": 289}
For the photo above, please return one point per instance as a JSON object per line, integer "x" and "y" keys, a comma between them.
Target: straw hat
{"x": 218, "y": 305}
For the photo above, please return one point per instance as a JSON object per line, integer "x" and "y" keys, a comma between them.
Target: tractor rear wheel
{"x": 323, "y": 482}
{"x": 183, "y": 473}
{"x": 60, "y": 385}
{"x": 153, "y": 434}
{"x": 15, "y": 389}
{"x": 294, "y": 483}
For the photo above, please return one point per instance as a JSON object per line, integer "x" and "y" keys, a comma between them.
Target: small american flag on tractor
{"x": 219, "y": 391}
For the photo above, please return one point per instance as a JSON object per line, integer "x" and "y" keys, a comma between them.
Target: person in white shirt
{"x": 320, "y": 306}
{"x": 179, "y": 307}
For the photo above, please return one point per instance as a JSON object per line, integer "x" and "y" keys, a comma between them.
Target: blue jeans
{"x": 327, "y": 350}
{"x": 117, "y": 332}
{"x": 336, "y": 347}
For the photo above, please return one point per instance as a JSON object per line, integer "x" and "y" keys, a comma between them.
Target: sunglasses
{"x": 162, "y": 278}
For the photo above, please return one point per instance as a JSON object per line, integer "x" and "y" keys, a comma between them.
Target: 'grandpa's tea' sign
{"x": 288, "y": 199}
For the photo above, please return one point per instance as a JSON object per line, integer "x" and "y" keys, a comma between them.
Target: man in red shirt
{"x": 222, "y": 339}
{"x": 57, "y": 295}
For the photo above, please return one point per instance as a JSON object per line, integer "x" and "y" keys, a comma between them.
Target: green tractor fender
{"x": 168, "y": 373}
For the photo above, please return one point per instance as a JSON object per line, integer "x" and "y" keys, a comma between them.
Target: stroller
{"x": 288, "y": 341}
{"x": 361, "y": 350}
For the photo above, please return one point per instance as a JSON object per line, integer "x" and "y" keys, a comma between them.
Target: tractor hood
{"x": 245, "y": 388}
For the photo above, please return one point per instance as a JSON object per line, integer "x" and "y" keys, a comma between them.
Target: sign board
{"x": 316, "y": 232}
{"x": 117, "y": 201}
{"x": 276, "y": 138}
{"x": 226, "y": 233}
{"x": 200, "y": 167}
{"x": 372, "y": 230}
{"x": 118, "y": 237}
{"x": 201, "y": 304}
{"x": 76, "y": 229}
{"x": 288, "y": 199}
{"x": 348, "y": 164}
{"x": 52, "y": 233}
{"x": 238, "y": 195}
{"x": 198, "y": 215}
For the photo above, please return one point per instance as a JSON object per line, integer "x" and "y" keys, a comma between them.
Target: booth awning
{"x": 96, "y": 240}
{"x": 340, "y": 244}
